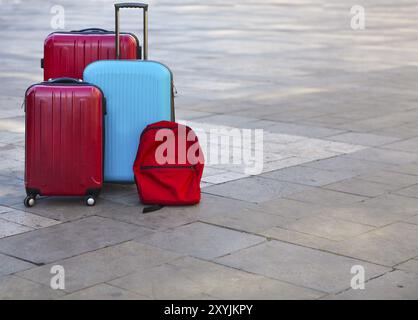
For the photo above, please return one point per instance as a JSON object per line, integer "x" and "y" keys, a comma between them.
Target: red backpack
{"x": 169, "y": 165}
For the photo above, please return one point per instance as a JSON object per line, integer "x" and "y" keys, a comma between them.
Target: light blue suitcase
{"x": 138, "y": 93}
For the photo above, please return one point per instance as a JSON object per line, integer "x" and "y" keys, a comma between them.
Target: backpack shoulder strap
{"x": 152, "y": 208}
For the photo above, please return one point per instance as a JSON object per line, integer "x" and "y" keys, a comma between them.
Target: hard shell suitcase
{"x": 64, "y": 139}
{"x": 66, "y": 54}
{"x": 137, "y": 93}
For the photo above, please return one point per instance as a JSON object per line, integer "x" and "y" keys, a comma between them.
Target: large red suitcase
{"x": 64, "y": 140}
{"x": 66, "y": 54}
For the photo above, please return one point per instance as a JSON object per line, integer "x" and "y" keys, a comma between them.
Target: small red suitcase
{"x": 64, "y": 140}
{"x": 66, "y": 54}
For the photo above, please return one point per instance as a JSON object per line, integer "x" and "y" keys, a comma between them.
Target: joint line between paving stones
{"x": 20, "y": 233}
{"x": 37, "y": 283}
{"x": 349, "y": 193}
{"x": 368, "y": 280}
{"x": 23, "y": 225}
{"x": 401, "y": 172}
{"x": 326, "y": 251}
{"x": 107, "y": 282}
{"x": 268, "y": 239}
{"x": 349, "y": 155}
{"x": 407, "y": 260}
{"x": 241, "y": 270}
{"x": 147, "y": 268}
{"x": 142, "y": 225}
{"x": 264, "y": 178}
{"x": 75, "y": 255}
{"x": 260, "y": 275}
{"x": 280, "y": 227}
{"x": 36, "y": 264}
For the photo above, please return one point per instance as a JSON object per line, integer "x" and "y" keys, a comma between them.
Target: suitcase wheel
{"x": 29, "y": 201}
{"x": 90, "y": 201}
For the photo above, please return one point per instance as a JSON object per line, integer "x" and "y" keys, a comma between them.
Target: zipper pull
{"x": 174, "y": 90}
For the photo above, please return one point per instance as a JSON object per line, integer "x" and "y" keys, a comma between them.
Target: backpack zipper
{"x": 163, "y": 127}
{"x": 158, "y": 128}
{"x": 167, "y": 167}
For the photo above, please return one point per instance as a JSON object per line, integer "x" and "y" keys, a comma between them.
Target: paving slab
{"x": 201, "y": 240}
{"x": 408, "y": 145}
{"x": 253, "y": 221}
{"x": 200, "y": 296}
{"x": 299, "y": 265}
{"x": 228, "y": 120}
{"x": 224, "y": 177}
{"x": 11, "y": 194}
{"x": 9, "y": 265}
{"x": 365, "y": 214}
{"x": 308, "y": 176}
{"x": 92, "y": 268}
{"x": 8, "y": 228}
{"x": 385, "y": 156}
{"x": 326, "y": 197}
{"x": 131, "y": 200}
{"x": 162, "y": 219}
{"x": 4, "y": 209}
{"x": 408, "y": 266}
{"x": 69, "y": 239}
{"x": 411, "y": 168}
{"x": 112, "y": 191}
{"x": 8, "y": 137}
{"x": 343, "y": 163}
{"x": 365, "y": 139}
{"x": 28, "y": 219}
{"x": 301, "y": 130}
{"x": 182, "y": 279}
{"x": 311, "y": 146}
{"x": 66, "y": 208}
{"x": 393, "y": 203}
{"x": 396, "y": 285}
{"x": 404, "y": 132}
{"x": 290, "y": 162}
{"x": 15, "y": 288}
{"x": 169, "y": 217}
{"x": 295, "y": 237}
{"x": 328, "y": 227}
{"x": 291, "y": 209}
{"x": 411, "y": 219}
{"x": 255, "y": 189}
{"x": 103, "y": 291}
{"x": 411, "y": 191}
{"x": 187, "y": 114}
{"x": 388, "y": 246}
{"x": 393, "y": 180}
{"x": 359, "y": 187}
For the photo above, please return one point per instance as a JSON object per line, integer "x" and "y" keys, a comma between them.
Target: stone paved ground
{"x": 340, "y": 180}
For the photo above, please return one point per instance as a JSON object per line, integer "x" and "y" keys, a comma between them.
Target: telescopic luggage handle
{"x": 143, "y": 6}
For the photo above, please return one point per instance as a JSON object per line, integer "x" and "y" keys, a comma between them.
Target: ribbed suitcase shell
{"x": 137, "y": 93}
{"x": 64, "y": 140}
{"x": 66, "y": 54}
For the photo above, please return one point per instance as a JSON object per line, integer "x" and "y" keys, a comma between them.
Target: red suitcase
{"x": 66, "y": 54}
{"x": 64, "y": 140}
